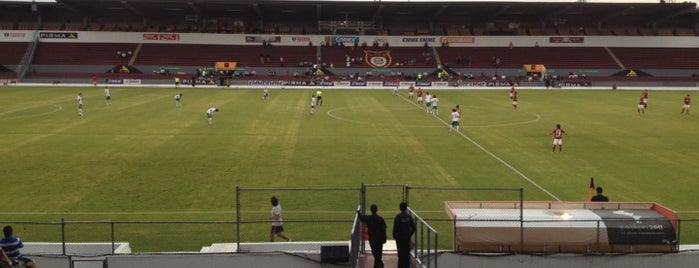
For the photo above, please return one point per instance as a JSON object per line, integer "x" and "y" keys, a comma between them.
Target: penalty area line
{"x": 515, "y": 170}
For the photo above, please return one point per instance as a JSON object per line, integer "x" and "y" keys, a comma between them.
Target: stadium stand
{"x": 82, "y": 53}
{"x": 657, "y": 58}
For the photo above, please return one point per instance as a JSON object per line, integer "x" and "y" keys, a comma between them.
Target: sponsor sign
{"x": 260, "y": 39}
{"x": 325, "y": 83}
{"x": 58, "y": 35}
{"x": 637, "y": 227}
{"x": 161, "y": 36}
{"x": 389, "y": 83}
{"x": 566, "y": 39}
{"x": 346, "y": 39}
{"x": 378, "y": 58}
{"x": 114, "y": 81}
{"x": 440, "y": 84}
{"x": 357, "y": 83}
{"x": 305, "y": 39}
{"x": 457, "y": 39}
{"x": 418, "y": 39}
{"x": 226, "y": 65}
{"x": 423, "y": 83}
{"x": 132, "y": 81}
{"x": 374, "y": 84}
{"x": 342, "y": 83}
{"x": 14, "y": 34}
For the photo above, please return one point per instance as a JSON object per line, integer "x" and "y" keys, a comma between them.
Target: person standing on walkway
{"x": 377, "y": 233}
{"x": 403, "y": 230}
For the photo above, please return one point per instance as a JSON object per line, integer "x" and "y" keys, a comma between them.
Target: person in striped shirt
{"x": 11, "y": 244}
{"x": 558, "y": 137}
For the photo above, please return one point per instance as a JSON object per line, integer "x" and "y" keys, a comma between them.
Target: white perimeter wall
{"x": 394, "y": 41}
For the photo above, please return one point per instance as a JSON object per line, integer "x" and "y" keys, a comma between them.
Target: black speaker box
{"x": 334, "y": 254}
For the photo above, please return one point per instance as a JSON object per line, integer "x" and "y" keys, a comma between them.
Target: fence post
{"x": 521, "y": 220}
{"x": 362, "y": 208}
{"x": 406, "y": 194}
{"x": 113, "y": 246}
{"x": 63, "y": 236}
{"x": 237, "y": 218}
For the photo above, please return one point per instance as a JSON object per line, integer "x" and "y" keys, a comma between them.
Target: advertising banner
{"x": 637, "y": 227}
{"x": 58, "y": 35}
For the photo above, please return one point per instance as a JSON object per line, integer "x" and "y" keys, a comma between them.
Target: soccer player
{"x": 178, "y": 98}
{"x": 685, "y": 106}
{"x": 512, "y": 92}
{"x": 395, "y": 90}
{"x": 265, "y": 94}
{"x": 558, "y": 137}
{"x": 210, "y": 114}
{"x": 458, "y": 110}
{"x": 455, "y": 118}
{"x": 411, "y": 92}
{"x": 319, "y": 99}
{"x": 644, "y": 96}
{"x": 80, "y": 103}
{"x": 428, "y": 102}
{"x": 419, "y": 95}
{"x": 514, "y": 100}
{"x": 313, "y": 104}
{"x": 641, "y": 106}
{"x": 107, "y": 96}
{"x": 177, "y": 82}
{"x": 435, "y": 103}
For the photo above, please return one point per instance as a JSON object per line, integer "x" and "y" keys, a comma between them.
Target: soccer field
{"x": 143, "y": 159}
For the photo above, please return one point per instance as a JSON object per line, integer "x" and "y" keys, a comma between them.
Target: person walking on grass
{"x": 178, "y": 99}
{"x": 455, "y": 118}
{"x": 277, "y": 222}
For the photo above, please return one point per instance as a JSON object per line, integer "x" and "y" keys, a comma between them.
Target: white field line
{"x": 515, "y": 170}
{"x": 184, "y": 212}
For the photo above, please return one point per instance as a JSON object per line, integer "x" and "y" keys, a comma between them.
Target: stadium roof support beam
{"x": 616, "y": 14}
{"x": 69, "y": 7}
{"x": 195, "y": 8}
{"x": 439, "y": 11}
{"x": 677, "y": 13}
{"x": 258, "y": 11}
{"x": 379, "y": 10}
{"x": 499, "y": 12}
{"x": 133, "y": 9}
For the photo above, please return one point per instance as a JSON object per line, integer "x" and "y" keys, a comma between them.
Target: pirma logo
{"x": 378, "y": 58}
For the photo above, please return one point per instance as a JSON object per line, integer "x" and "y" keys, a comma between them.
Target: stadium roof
{"x": 314, "y": 11}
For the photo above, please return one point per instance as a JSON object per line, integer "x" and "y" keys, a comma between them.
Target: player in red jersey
{"x": 558, "y": 137}
{"x": 644, "y": 97}
{"x": 514, "y": 100}
{"x": 411, "y": 92}
{"x": 419, "y": 95}
{"x": 641, "y": 106}
{"x": 685, "y": 106}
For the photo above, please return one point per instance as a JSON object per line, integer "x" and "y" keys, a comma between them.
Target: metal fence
{"x": 311, "y": 215}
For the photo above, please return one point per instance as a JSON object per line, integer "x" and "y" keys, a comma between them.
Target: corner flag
{"x": 591, "y": 189}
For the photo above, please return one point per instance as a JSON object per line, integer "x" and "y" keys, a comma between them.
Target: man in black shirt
{"x": 403, "y": 230}
{"x": 599, "y": 197}
{"x": 377, "y": 234}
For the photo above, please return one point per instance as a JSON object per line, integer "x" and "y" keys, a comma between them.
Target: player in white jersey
{"x": 428, "y": 102}
{"x": 107, "y": 96}
{"x": 210, "y": 114}
{"x": 265, "y": 94}
{"x": 178, "y": 99}
{"x": 313, "y": 104}
{"x": 80, "y": 103}
{"x": 455, "y": 118}
{"x": 435, "y": 103}
{"x": 395, "y": 90}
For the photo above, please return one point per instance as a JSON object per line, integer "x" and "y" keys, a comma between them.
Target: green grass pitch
{"x": 141, "y": 159}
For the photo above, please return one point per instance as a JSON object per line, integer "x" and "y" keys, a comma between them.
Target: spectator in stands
{"x": 376, "y": 226}
{"x": 599, "y": 197}
{"x": 11, "y": 245}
